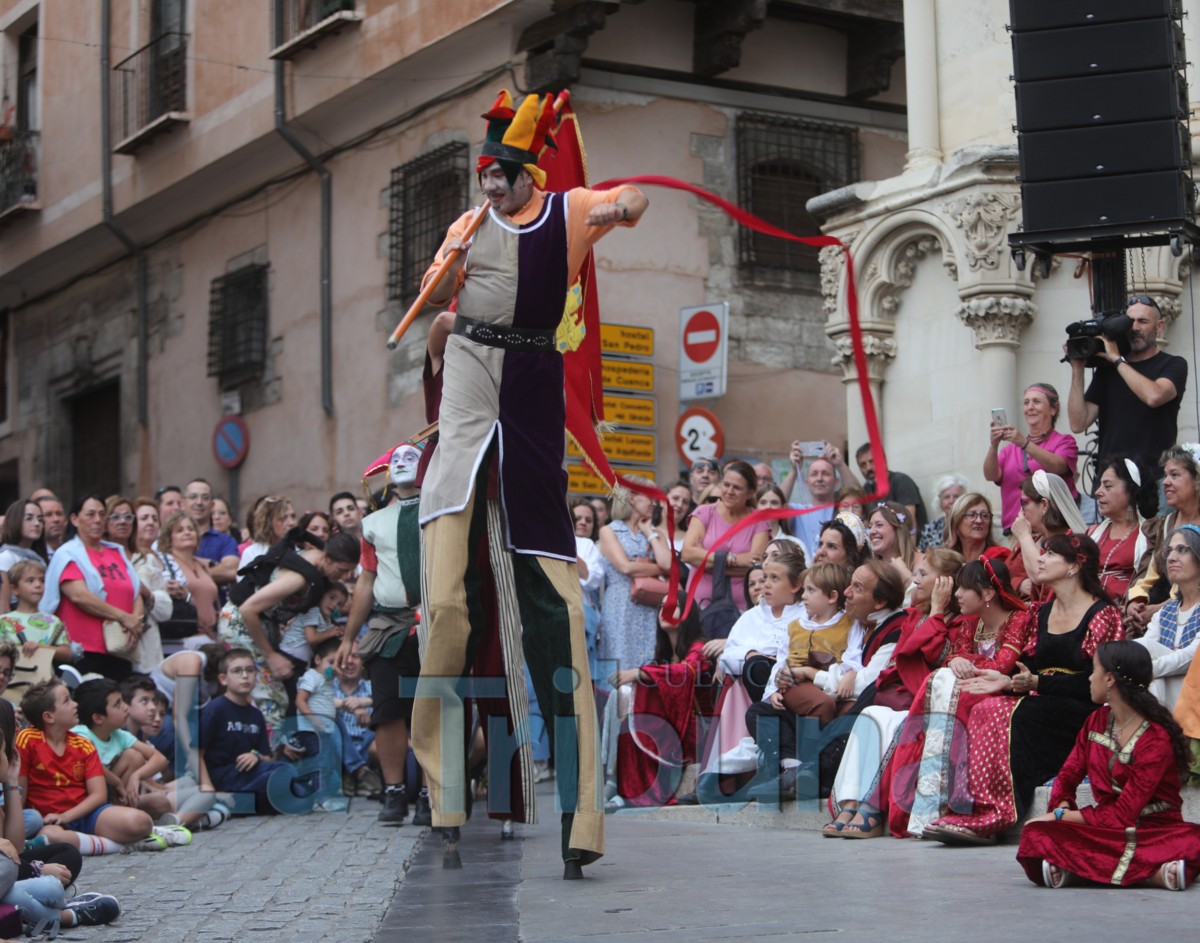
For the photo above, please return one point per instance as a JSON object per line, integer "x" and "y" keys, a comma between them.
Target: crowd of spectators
{"x": 855, "y": 624}
{"x": 886, "y": 662}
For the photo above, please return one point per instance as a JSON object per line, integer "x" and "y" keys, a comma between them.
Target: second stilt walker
{"x": 503, "y": 395}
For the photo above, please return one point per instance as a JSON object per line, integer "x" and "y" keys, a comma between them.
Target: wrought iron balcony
{"x": 18, "y": 173}
{"x": 151, "y": 91}
{"x": 305, "y": 22}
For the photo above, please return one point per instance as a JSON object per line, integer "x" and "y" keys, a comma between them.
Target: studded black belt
{"x": 528, "y": 339}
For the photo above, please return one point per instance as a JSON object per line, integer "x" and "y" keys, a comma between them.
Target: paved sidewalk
{"x": 321, "y": 877}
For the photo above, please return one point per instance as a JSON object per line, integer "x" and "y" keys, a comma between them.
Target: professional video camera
{"x": 1085, "y": 339}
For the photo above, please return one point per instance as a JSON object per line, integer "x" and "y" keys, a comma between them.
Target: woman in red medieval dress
{"x": 1132, "y": 752}
{"x": 658, "y": 705}
{"x": 1019, "y": 742}
{"x": 933, "y": 744}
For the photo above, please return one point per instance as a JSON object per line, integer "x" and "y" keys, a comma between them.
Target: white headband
{"x": 1136, "y": 475}
{"x": 856, "y": 527}
{"x": 1193, "y": 449}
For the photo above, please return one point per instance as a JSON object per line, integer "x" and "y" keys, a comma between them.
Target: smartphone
{"x": 656, "y": 516}
{"x": 812, "y": 449}
{"x": 999, "y": 417}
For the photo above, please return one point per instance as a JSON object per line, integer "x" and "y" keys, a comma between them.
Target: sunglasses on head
{"x": 1143, "y": 300}
{"x": 161, "y": 491}
{"x": 705, "y": 463}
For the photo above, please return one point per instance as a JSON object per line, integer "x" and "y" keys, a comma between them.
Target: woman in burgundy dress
{"x": 1132, "y": 751}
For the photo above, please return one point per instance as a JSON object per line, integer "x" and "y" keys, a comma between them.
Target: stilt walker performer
{"x": 503, "y": 394}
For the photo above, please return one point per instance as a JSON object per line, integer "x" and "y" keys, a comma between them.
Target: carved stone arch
{"x": 885, "y": 261}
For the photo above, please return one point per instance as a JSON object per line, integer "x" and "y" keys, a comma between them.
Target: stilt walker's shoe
{"x": 450, "y": 857}
{"x": 572, "y": 871}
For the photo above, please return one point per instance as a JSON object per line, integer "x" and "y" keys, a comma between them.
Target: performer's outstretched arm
{"x": 630, "y": 205}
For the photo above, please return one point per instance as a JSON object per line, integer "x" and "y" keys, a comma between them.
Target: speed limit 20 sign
{"x": 698, "y": 434}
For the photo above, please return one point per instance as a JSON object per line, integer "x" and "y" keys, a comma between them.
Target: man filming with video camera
{"x": 1135, "y": 396}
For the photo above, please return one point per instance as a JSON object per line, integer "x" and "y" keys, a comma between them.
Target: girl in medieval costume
{"x": 657, "y": 706}
{"x": 503, "y": 394}
{"x": 932, "y": 749}
{"x": 1132, "y": 752}
{"x": 1018, "y": 742}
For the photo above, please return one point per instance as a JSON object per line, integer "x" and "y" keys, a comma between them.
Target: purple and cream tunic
{"x": 515, "y": 280}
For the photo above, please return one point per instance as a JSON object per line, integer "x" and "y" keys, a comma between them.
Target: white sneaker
{"x": 172, "y": 834}
{"x": 542, "y": 771}
{"x": 167, "y": 818}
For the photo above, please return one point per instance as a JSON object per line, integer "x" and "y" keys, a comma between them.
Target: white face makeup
{"x": 403, "y": 467}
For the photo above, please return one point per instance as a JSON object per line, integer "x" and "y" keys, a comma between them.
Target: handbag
{"x": 649, "y": 590}
{"x": 718, "y": 617}
{"x": 185, "y": 620}
{"x": 116, "y": 642}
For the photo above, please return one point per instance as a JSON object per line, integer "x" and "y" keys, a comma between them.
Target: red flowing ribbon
{"x": 750, "y": 221}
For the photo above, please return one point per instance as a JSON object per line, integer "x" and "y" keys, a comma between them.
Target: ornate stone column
{"x": 880, "y": 350}
{"x": 997, "y": 321}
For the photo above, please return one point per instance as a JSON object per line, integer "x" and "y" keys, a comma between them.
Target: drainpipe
{"x": 143, "y": 327}
{"x": 326, "y": 219}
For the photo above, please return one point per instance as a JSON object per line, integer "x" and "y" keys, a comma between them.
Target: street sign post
{"x": 627, "y": 339}
{"x": 231, "y": 442}
{"x": 703, "y": 351}
{"x": 627, "y": 375}
{"x": 630, "y": 410}
{"x": 624, "y": 447}
{"x": 582, "y": 480}
{"x": 698, "y": 434}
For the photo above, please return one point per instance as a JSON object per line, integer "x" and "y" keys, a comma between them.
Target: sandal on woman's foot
{"x": 1174, "y": 874}
{"x": 873, "y": 822}
{"x": 1055, "y": 877}
{"x": 834, "y": 828}
{"x": 957, "y": 835}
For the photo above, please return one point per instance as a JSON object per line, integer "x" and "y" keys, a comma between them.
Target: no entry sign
{"x": 703, "y": 351}
{"x": 231, "y": 442}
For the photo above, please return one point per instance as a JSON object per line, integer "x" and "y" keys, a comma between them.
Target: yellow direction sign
{"x": 629, "y": 410}
{"x": 582, "y": 480}
{"x": 623, "y": 447}
{"x": 627, "y": 375}
{"x": 626, "y": 339}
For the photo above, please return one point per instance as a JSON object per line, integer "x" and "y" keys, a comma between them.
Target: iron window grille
{"x": 152, "y": 83}
{"x": 237, "y": 326}
{"x": 18, "y": 168}
{"x": 299, "y": 16}
{"x": 427, "y": 195}
{"x": 782, "y": 164}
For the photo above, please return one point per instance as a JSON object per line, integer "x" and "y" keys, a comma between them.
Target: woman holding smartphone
{"x": 1042, "y": 448}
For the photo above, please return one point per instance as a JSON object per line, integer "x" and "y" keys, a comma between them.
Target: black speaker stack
{"x": 1102, "y": 111}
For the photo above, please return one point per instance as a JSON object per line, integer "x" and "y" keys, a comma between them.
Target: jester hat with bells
{"x": 516, "y": 139}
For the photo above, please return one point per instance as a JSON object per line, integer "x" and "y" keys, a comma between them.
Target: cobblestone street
{"x": 322, "y": 877}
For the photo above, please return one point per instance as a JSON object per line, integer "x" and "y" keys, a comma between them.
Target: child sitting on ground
{"x": 352, "y": 698}
{"x": 316, "y": 713}
{"x": 147, "y": 708}
{"x": 129, "y": 763}
{"x": 25, "y": 625}
{"x": 823, "y": 638}
{"x": 63, "y": 778}
{"x": 233, "y": 734}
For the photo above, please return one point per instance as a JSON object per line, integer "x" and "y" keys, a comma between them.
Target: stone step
{"x": 813, "y": 814}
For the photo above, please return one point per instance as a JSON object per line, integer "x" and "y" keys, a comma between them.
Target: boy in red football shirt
{"x": 63, "y": 779}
